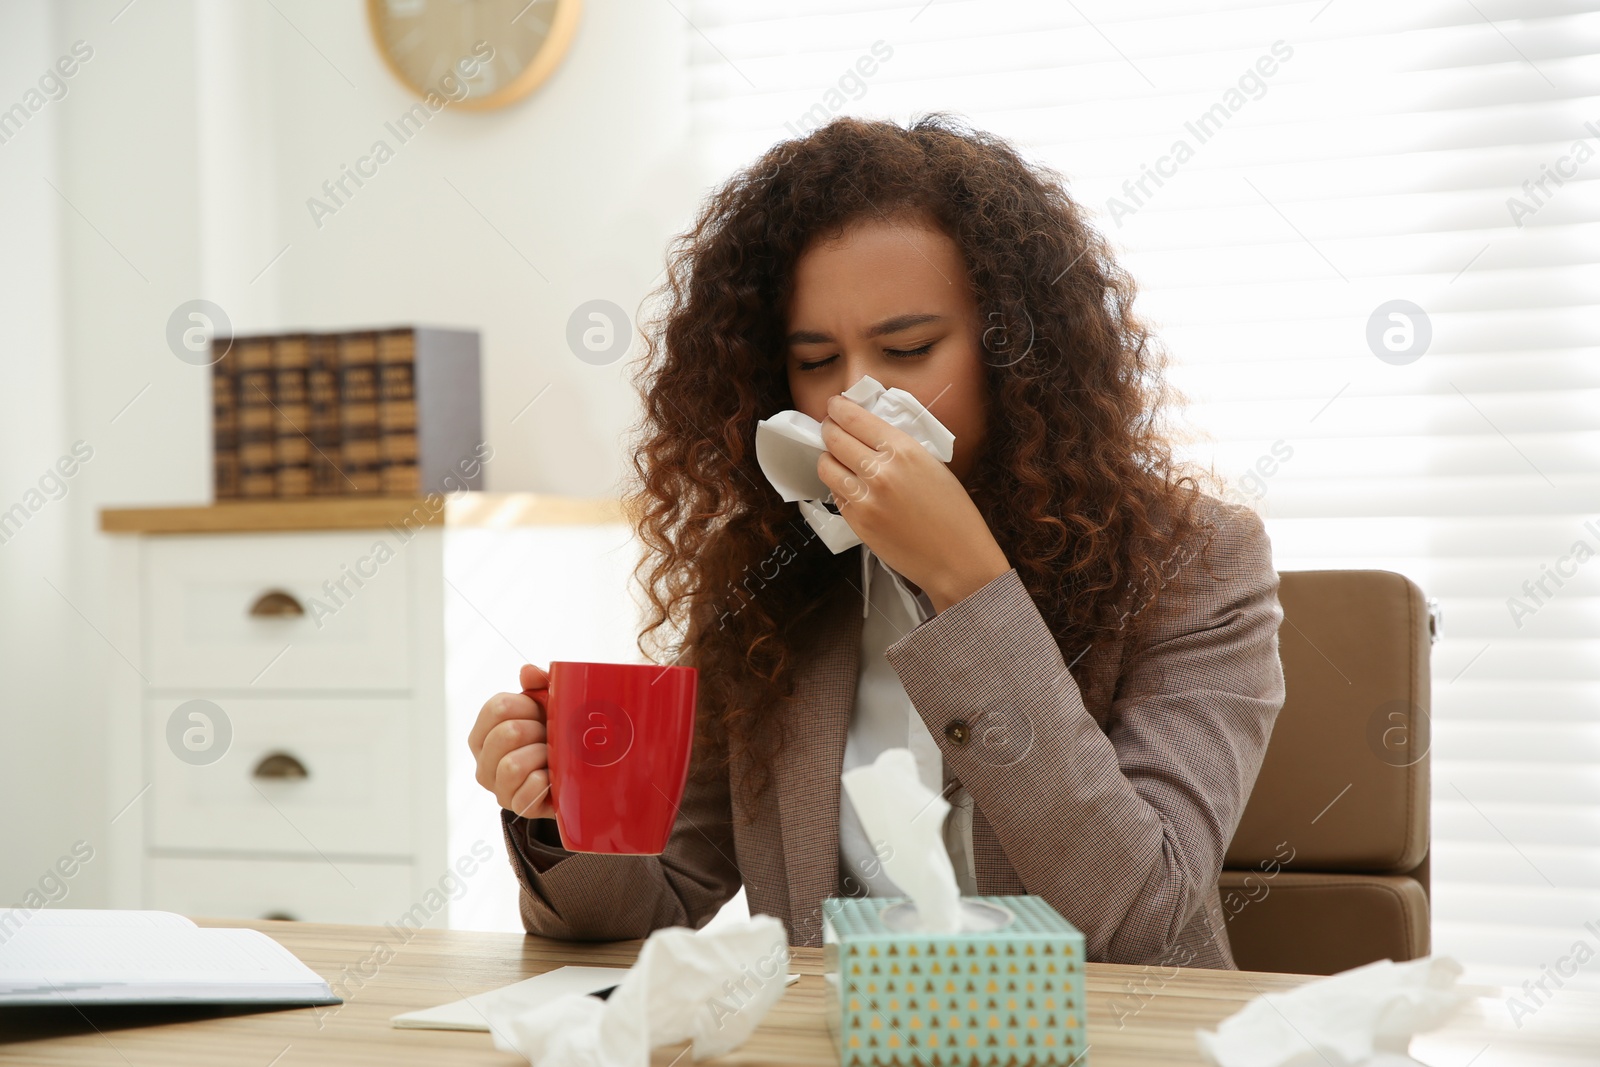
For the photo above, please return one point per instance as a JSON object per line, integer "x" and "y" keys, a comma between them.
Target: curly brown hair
{"x": 1076, "y": 478}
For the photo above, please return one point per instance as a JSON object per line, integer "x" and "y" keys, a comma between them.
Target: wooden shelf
{"x": 497, "y": 510}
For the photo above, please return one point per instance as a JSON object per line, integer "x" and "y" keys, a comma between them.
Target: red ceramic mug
{"x": 619, "y": 737}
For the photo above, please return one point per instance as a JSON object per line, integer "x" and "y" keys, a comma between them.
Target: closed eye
{"x": 904, "y": 352}
{"x": 898, "y": 353}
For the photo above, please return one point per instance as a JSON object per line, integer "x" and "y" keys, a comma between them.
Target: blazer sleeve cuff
{"x": 961, "y": 668}
{"x": 530, "y": 840}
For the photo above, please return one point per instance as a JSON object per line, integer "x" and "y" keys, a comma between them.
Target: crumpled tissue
{"x": 713, "y": 988}
{"x": 1366, "y": 1015}
{"x": 789, "y": 444}
{"x": 896, "y": 808}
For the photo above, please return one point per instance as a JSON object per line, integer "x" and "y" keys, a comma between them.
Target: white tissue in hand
{"x": 895, "y": 808}
{"x": 1365, "y": 1014}
{"x": 789, "y": 444}
{"x": 712, "y": 988}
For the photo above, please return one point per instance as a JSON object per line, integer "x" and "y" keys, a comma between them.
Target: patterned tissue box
{"x": 1010, "y": 994}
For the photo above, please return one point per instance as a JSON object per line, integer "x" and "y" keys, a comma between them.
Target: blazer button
{"x": 958, "y": 732}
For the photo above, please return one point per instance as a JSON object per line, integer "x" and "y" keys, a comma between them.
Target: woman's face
{"x": 890, "y": 299}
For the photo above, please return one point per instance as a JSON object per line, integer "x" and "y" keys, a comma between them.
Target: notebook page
{"x": 145, "y": 956}
{"x": 17, "y": 918}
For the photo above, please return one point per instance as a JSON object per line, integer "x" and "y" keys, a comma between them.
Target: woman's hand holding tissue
{"x": 907, "y": 505}
{"x": 508, "y": 742}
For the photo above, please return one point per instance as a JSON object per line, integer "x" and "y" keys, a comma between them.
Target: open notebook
{"x": 79, "y": 956}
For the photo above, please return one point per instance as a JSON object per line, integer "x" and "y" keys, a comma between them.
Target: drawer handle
{"x": 280, "y": 765}
{"x": 280, "y": 916}
{"x": 275, "y": 603}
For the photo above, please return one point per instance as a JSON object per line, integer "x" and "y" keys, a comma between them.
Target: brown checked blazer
{"x": 1110, "y": 787}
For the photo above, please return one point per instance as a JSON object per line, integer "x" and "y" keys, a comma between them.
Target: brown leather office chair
{"x": 1328, "y": 869}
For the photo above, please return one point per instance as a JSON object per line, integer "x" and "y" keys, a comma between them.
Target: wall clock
{"x": 508, "y": 47}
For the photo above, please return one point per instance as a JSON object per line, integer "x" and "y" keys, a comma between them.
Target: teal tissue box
{"x": 1008, "y": 995}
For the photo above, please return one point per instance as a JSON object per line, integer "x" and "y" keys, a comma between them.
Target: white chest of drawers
{"x": 288, "y": 718}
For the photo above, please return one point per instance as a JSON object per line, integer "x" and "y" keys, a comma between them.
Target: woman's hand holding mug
{"x": 602, "y": 748}
{"x": 509, "y": 743}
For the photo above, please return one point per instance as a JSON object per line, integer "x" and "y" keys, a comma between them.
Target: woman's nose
{"x": 856, "y": 365}
{"x": 852, "y": 366}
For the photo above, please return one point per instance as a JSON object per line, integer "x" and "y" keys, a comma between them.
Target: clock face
{"x": 473, "y": 53}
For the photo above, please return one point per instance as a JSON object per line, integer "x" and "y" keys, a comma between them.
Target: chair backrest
{"x": 1337, "y": 826}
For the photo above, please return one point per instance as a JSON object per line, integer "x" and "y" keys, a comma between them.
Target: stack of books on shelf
{"x": 388, "y": 412}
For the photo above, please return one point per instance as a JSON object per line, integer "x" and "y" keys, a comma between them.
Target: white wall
{"x": 50, "y": 703}
{"x": 585, "y": 182}
{"x": 188, "y": 146}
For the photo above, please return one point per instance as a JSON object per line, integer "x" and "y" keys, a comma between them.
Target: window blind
{"x": 1342, "y": 156}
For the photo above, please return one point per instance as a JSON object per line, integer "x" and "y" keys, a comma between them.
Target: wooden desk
{"x": 1157, "y": 1025}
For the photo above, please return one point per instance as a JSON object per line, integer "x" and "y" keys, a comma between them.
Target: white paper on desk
{"x": 473, "y": 1012}
{"x": 709, "y": 987}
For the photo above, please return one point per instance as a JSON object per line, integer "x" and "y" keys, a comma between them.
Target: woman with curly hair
{"x": 1078, "y": 644}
